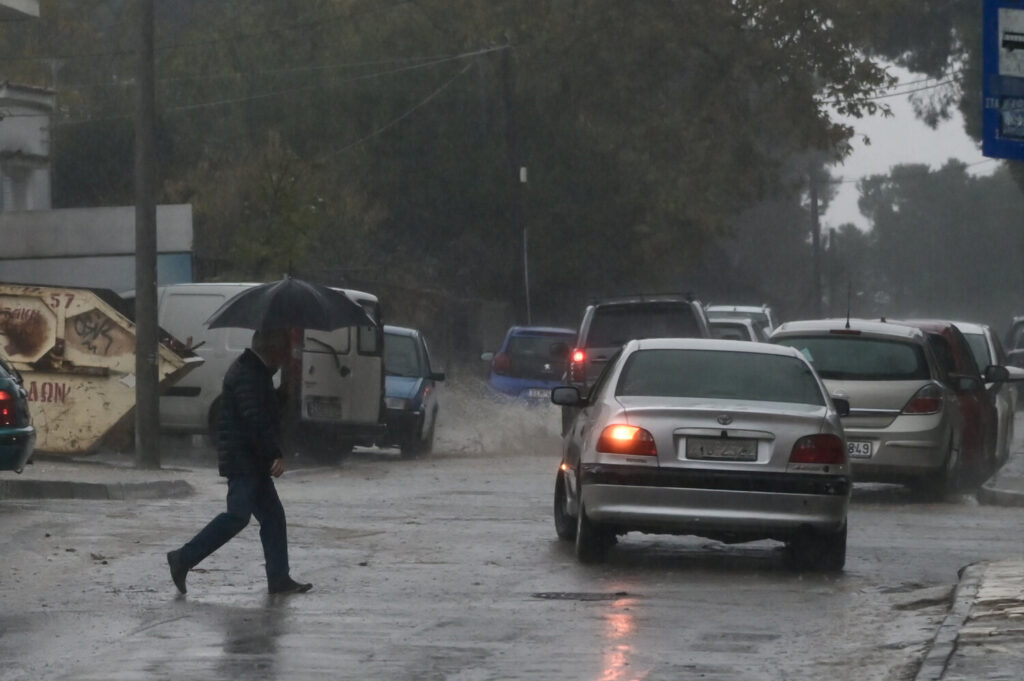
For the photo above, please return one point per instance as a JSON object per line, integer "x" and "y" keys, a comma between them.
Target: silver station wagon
{"x": 729, "y": 440}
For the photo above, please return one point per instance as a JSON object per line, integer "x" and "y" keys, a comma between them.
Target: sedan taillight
{"x": 822, "y": 448}
{"x": 8, "y": 415}
{"x": 578, "y": 366}
{"x": 927, "y": 400}
{"x": 623, "y": 439}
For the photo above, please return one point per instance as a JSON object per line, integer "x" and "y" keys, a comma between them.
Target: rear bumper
{"x": 910, "y": 447}
{"x": 714, "y": 503}
{"x": 16, "y": 447}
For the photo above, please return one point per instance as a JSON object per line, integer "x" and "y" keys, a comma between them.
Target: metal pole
{"x": 526, "y": 259}
{"x": 147, "y": 382}
{"x": 815, "y": 242}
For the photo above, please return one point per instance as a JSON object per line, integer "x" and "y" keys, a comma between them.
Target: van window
{"x": 368, "y": 341}
{"x": 183, "y": 315}
{"x": 614, "y": 325}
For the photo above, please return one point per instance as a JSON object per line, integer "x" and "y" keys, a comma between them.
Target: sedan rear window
{"x": 615, "y": 325}
{"x": 716, "y": 374}
{"x": 856, "y": 358}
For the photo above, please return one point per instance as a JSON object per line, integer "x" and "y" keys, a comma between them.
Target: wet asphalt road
{"x": 448, "y": 568}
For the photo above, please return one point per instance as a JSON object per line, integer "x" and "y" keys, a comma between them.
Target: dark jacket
{"x": 249, "y": 432}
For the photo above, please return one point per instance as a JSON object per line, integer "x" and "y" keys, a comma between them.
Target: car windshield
{"x": 400, "y": 355}
{"x": 717, "y": 374}
{"x": 614, "y": 325}
{"x": 857, "y": 358}
{"x": 979, "y": 348}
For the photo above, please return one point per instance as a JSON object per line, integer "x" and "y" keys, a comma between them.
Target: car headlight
{"x": 396, "y": 403}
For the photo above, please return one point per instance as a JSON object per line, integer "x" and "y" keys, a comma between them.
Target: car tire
{"x": 817, "y": 550}
{"x": 565, "y": 524}
{"x": 592, "y": 541}
{"x": 420, "y": 444}
{"x": 948, "y": 479}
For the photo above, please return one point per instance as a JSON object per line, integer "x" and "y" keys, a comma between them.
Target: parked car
{"x": 736, "y": 328}
{"x": 609, "y": 324}
{"x": 988, "y": 350}
{"x": 1014, "y": 342}
{"x": 906, "y": 423}
{"x": 17, "y": 434}
{"x": 979, "y": 455}
{"x": 761, "y": 315}
{"x": 730, "y": 440}
{"x": 410, "y": 392}
{"x": 530, "y": 362}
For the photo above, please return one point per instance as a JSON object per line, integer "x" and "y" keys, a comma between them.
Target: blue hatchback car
{"x": 410, "y": 392}
{"x": 530, "y": 362}
{"x": 17, "y": 435}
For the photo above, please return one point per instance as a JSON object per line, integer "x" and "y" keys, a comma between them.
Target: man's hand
{"x": 277, "y": 467}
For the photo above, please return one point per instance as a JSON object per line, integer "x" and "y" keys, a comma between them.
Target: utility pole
{"x": 812, "y": 177}
{"x": 514, "y": 173}
{"x": 147, "y": 380}
{"x": 526, "y": 250}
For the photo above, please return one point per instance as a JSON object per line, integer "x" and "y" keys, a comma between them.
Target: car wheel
{"x": 817, "y": 550}
{"x": 565, "y": 524}
{"x": 592, "y": 541}
{"x": 420, "y": 444}
{"x": 947, "y": 480}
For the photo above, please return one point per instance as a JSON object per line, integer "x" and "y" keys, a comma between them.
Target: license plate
{"x": 323, "y": 408}
{"x": 858, "y": 449}
{"x": 538, "y": 393}
{"x": 721, "y": 449}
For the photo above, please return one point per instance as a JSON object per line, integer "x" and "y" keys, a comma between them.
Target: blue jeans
{"x": 248, "y": 495}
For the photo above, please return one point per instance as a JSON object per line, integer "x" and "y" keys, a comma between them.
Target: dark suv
{"x": 608, "y": 324}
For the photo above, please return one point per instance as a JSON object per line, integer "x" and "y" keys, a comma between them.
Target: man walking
{"x": 249, "y": 456}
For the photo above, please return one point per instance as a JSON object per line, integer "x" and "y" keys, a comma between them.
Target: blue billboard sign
{"x": 1003, "y": 79}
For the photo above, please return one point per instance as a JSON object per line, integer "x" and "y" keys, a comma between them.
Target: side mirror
{"x": 487, "y": 356}
{"x": 567, "y": 396}
{"x": 437, "y": 376}
{"x": 559, "y": 350}
{"x": 996, "y": 374}
{"x": 842, "y": 405}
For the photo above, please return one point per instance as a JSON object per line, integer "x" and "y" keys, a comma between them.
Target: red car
{"x": 978, "y": 458}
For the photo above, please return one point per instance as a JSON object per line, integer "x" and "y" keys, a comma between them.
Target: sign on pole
{"x": 1003, "y": 79}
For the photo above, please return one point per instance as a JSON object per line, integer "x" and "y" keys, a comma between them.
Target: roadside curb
{"x": 993, "y": 495}
{"x": 60, "y": 489}
{"x": 933, "y": 667}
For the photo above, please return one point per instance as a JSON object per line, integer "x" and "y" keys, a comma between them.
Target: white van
{"x": 338, "y": 376}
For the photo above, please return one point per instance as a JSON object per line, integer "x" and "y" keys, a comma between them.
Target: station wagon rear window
{"x": 716, "y": 374}
{"x": 857, "y": 358}
{"x": 615, "y": 325}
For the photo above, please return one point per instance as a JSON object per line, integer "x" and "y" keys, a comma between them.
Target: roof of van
{"x": 240, "y": 285}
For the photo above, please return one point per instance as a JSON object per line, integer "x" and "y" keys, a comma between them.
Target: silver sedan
{"x": 729, "y": 440}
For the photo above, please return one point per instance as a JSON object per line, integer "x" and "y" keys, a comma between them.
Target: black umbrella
{"x": 289, "y": 303}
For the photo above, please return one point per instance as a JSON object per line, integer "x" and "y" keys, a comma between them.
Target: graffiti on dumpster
{"x": 48, "y": 391}
{"x": 24, "y": 329}
{"x": 97, "y": 334}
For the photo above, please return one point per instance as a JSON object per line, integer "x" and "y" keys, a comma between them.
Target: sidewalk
{"x": 111, "y": 475}
{"x": 982, "y": 637}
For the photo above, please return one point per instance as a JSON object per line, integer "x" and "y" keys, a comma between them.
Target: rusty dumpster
{"x": 75, "y": 349}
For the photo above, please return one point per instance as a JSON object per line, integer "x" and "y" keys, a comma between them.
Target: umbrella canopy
{"x": 289, "y": 303}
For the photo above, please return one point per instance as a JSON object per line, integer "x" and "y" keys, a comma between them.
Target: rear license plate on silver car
{"x": 721, "y": 449}
{"x": 858, "y": 449}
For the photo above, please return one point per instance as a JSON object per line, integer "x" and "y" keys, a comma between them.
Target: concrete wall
{"x": 92, "y": 247}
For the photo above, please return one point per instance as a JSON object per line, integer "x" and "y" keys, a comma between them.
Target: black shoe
{"x": 290, "y": 586}
{"x": 178, "y": 571}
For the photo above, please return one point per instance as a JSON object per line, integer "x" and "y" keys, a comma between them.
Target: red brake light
{"x": 927, "y": 400}
{"x": 7, "y": 415}
{"x": 501, "y": 363}
{"x": 823, "y": 448}
{"x": 578, "y": 366}
{"x": 622, "y": 439}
